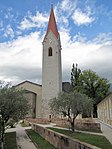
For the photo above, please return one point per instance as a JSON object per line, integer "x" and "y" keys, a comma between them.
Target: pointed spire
{"x": 52, "y": 24}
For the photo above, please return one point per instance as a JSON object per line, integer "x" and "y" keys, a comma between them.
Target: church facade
{"x": 40, "y": 95}
{"x": 33, "y": 93}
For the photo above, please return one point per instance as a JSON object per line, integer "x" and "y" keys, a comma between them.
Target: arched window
{"x": 50, "y": 51}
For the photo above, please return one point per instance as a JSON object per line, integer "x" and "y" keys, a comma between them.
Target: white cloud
{"x": 9, "y": 32}
{"x": 68, "y": 5}
{"x": 74, "y": 10}
{"x": 80, "y": 38}
{"x": 38, "y": 20}
{"x": 63, "y": 12}
{"x": 82, "y": 18}
{"x": 1, "y": 24}
{"x": 104, "y": 38}
{"x": 9, "y": 14}
{"x": 88, "y": 54}
{"x": 64, "y": 4}
{"x": 21, "y": 58}
{"x": 26, "y": 24}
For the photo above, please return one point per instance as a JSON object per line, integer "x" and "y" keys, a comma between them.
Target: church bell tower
{"x": 51, "y": 65}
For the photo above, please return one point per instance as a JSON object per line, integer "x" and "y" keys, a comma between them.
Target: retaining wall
{"x": 61, "y": 141}
{"x": 90, "y": 126}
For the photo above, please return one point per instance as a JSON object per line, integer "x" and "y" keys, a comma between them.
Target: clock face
{"x": 50, "y": 40}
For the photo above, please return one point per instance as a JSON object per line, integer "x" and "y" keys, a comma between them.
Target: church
{"x": 40, "y": 95}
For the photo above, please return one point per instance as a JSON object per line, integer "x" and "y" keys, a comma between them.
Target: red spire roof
{"x": 52, "y": 24}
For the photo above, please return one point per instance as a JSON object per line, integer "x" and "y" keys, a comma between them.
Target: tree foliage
{"x": 75, "y": 73}
{"x": 93, "y": 86}
{"x": 13, "y": 105}
{"x": 70, "y": 105}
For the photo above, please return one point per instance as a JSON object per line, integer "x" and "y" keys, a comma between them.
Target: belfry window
{"x": 50, "y": 51}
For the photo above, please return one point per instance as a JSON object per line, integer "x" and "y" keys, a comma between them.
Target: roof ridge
{"x": 28, "y": 82}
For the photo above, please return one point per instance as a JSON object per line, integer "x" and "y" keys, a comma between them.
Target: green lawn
{"x": 97, "y": 140}
{"x": 90, "y": 130}
{"x": 10, "y": 139}
{"x": 41, "y": 142}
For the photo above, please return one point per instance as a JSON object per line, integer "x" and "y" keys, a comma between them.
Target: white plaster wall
{"x": 104, "y": 109}
{"x": 51, "y": 71}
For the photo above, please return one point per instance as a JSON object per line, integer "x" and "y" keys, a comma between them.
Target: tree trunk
{"x": 73, "y": 125}
{"x": 0, "y": 132}
{"x": 2, "y": 125}
{"x": 95, "y": 111}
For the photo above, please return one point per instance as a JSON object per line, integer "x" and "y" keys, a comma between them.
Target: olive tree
{"x": 70, "y": 105}
{"x": 13, "y": 105}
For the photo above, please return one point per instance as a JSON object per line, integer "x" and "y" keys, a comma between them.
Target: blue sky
{"x": 85, "y": 28}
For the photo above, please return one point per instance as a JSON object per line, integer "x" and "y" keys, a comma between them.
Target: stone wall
{"x": 80, "y": 124}
{"x": 88, "y": 126}
{"x": 61, "y": 141}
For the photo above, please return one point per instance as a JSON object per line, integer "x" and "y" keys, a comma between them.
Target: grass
{"x": 10, "y": 139}
{"x": 90, "y": 130}
{"x": 96, "y": 140}
{"x": 41, "y": 142}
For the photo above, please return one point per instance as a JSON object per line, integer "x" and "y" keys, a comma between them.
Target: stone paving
{"x": 23, "y": 140}
{"x": 106, "y": 130}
